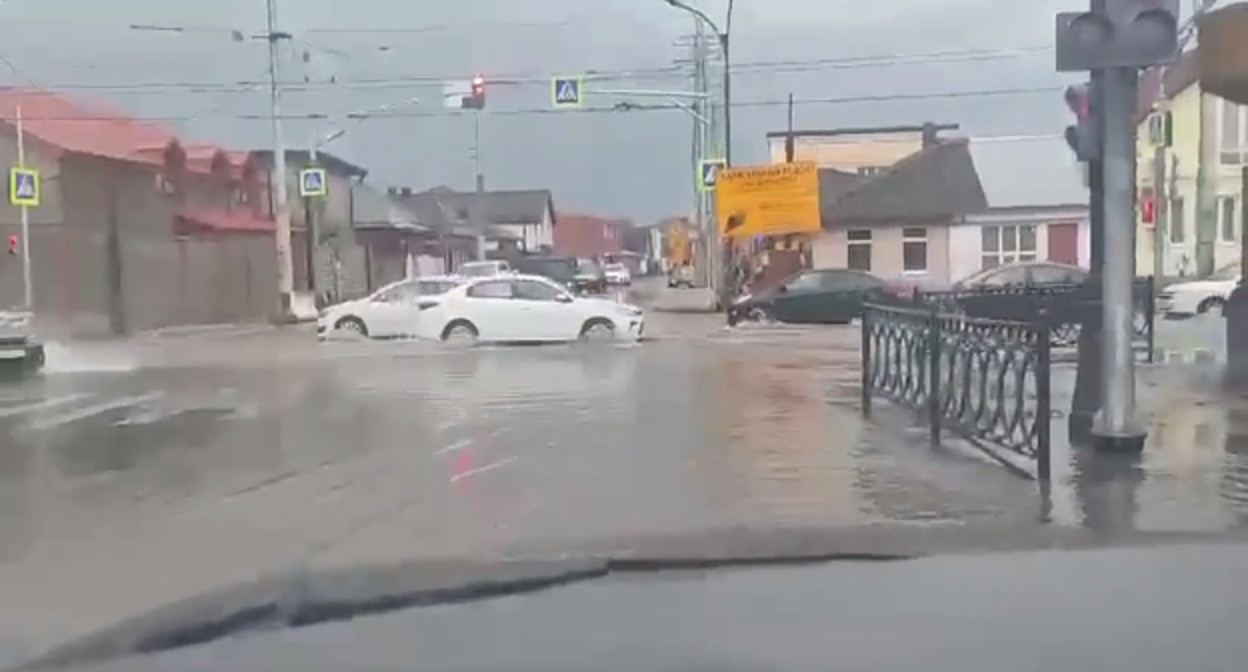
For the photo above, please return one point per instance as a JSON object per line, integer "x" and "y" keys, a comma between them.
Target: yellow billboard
{"x": 768, "y": 200}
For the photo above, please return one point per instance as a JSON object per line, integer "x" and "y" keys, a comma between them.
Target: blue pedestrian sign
{"x": 24, "y": 187}
{"x": 567, "y": 91}
{"x": 708, "y": 173}
{"x": 312, "y": 183}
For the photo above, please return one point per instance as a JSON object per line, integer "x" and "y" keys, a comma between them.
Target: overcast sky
{"x": 634, "y": 164}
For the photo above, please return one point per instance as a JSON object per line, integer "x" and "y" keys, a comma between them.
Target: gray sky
{"x": 633, "y": 164}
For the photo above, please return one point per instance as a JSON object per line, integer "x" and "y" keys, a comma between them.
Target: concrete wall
{"x": 830, "y": 249}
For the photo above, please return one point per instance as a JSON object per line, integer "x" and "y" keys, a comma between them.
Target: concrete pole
{"x": 281, "y": 206}
{"x": 478, "y": 197}
{"x": 1117, "y": 426}
{"x": 1161, "y": 212}
{"x": 1207, "y": 186}
{"x": 28, "y": 285}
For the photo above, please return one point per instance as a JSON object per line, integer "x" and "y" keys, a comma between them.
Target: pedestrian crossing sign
{"x": 312, "y": 183}
{"x": 24, "y": 187}
{"x": 708, "y": 173}
{"x": 566, "y": 91}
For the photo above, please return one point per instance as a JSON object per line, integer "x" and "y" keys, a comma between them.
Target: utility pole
{"x": 478, "y": 198}
{"x": 1160, "y": 134}
{"x": 704, "y": 223}
{"x": 28, "y": 286}
{"x": 281, "y": 206}
{"x": 1207, "y": 186}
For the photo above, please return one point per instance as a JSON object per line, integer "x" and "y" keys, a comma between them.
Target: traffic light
{"x": 1084, "y": 137}
{"x": 476, "y": 101}
{"x": 1125, "y": 34}
{"x": 13, "y": 245}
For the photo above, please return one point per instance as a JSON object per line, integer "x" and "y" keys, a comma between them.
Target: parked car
{"x": 618, "y": 274}
{"x": 484, "y": 269}
{"x": 527, "y": 308}
{"x": 20, "y": 352}
{"x": 680, "y": 276}
{"x": 821, "y": 296}
{"x": 1187, "y": 299}
{"x": 390, "y": 312}
{"x": 1024, "y": 274}
{"x": 590, "y": 277}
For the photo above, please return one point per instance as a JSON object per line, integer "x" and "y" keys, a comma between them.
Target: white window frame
{"x": 909, "y": 237}
{"x": 1223, "y": 224}
{"x": 1232, "y": 154}
{"x": 1018, "y": 254}
{"x": 866, "y": 242}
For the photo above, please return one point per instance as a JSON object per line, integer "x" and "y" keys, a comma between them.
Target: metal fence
{"x": 986, "y": 380}
{"x": 1066, "y": 307}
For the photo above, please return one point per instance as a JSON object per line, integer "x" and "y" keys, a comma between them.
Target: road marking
{"x": 454, "y": 447}
{"x": 40, "y": 405}
{"x": 480, "y": 470}
{"x": 103, "y": 407}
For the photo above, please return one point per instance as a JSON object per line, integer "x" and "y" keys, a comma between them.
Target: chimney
{"x": 406, "y": 191}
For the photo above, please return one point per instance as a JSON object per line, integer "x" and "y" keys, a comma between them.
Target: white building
{"x": 1037, "y": 207}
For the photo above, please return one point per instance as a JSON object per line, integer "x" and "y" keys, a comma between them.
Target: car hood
{"x": 345, "y": 306}
{"x": 607, "y": 305}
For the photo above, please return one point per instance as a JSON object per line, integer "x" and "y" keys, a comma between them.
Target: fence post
{"x": 866, "y": 361}
{"x": 934, "y": 411}
{"x": 1044, "y": 415}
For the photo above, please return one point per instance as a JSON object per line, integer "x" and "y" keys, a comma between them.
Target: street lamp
{"x": 723, "y": 45}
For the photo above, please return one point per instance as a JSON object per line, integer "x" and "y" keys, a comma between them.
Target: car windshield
{"x": 291, "y": 355}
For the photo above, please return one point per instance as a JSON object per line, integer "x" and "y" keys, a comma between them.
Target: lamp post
{"x": 724, "y": 297}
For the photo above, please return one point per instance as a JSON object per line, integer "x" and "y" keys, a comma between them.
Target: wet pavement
{"x": 140, "y": 472}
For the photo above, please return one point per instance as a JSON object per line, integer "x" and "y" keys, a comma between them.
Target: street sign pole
{"x": 28, "y": 289}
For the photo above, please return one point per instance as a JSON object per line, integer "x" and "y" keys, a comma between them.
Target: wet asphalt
{"x": 135, "y": 473}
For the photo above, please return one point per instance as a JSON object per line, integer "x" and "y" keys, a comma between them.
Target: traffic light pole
{"x": 1086, "y": 400}
{"x": 1117, "y": 426}
{"x": 28, "y": 287}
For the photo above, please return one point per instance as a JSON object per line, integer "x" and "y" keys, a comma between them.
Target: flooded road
{"x": 141, "y": 472}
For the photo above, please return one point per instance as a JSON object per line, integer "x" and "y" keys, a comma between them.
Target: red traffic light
{"x": 478, "y": 86}
{"x": 1079, "y": 100}
{"x": 13, "y": 244}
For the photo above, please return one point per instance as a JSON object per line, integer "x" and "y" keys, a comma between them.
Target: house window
{"x": 1009, "y": 244}
{"x": 914, "y": 250}
{"x": 859, "y": 250}
{"x": 1177, "y": 223}
{"x": 1227, "y": 211}
{"x": 868, "y": 171}
{"x": 1233, "y": 132}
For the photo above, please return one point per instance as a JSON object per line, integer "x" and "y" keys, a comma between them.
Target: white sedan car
{"x": 391, "y": 312}
{"x": 617, "y": 274}
{"x": 527, "y": 308}
{"x": 1186, "y": 299}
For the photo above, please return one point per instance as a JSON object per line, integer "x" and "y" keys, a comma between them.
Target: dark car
{"x": 591, "y": 278}
{"x": 828, "y": 296}
{"x": 1026, "y": 274}
{"x": 566, "y": 271}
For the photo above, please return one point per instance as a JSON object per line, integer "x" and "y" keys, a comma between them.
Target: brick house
{"x": 337, "y": 255}
{"x": 590, "y": 236}
{"x": 136, "y": 229}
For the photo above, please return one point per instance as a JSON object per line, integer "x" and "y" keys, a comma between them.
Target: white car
{"x": 527, "y": 308}
{"x": 1186, "y": 299}
{"x": 484, "y": 269}
{"x": 390, "y": 312}
{"x": 18, "y": 347}
{"x": 617, "y": 274}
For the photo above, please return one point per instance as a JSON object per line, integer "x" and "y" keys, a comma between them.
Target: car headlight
{"x": 742, "y": 299}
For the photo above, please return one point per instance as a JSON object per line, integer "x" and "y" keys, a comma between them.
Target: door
{"x": 1064, "y": 243}
{"x": 543, "y": 317}
{"x": 805, "y": 300}
{"x": 489, "y": 306}
{"x": 390, "y": 313}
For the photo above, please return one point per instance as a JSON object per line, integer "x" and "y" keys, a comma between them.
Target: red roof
{"x": 66, "y": 125}
{"x": 237, "y": 221}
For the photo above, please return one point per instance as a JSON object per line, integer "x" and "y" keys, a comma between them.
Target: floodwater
{"x": 136, "y": 473}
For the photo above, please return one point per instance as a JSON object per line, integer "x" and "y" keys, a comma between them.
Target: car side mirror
{"x": 564, "y": 298}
